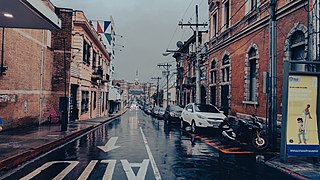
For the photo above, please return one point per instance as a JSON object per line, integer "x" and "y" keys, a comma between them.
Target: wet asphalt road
{"x": 141, "y": 147}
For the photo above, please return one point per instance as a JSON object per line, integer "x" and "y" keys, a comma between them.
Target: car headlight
{"x": 171, "y": 114}
{"x": 201, "y": 117}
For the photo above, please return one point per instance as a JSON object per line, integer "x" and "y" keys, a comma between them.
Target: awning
{"x": 30, "y": 14}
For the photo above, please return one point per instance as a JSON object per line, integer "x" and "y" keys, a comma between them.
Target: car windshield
{"x": 175, "y": 108}
{"x": 206, "y": 108}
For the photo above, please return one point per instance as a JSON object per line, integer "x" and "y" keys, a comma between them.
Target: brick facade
{"x": 26, "y": 88}
{"x": 249, "y": 29}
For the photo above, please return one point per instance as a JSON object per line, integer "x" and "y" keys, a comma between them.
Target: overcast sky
{"x": 149, "y": 27}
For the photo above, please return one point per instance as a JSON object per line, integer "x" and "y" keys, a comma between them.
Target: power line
{"x": 177, "y": 26}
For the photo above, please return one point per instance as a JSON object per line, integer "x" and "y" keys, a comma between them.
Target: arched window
{"x": 225, "y": 69}
{"x": 213, "y": 72}
{"x": 297, "y": 48}
{"x": 251, "y": 70}
{"x": 252, "y": 74}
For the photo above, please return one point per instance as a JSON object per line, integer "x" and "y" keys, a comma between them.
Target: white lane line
{"x": 61, "y": 175}
{"x": 153, "y": 162}
{"x": 85, "y": 174}
{"x": 143, "y": 167}
{"x": 110, "y": 169}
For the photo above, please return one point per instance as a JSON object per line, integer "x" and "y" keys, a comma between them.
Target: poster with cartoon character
{"x": 302, "y": 127}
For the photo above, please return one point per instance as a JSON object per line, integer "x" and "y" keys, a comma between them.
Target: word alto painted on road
{"x": 108, "y": 173}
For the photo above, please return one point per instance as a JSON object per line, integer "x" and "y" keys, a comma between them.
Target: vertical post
{"x": 273, "y": 74}
{"x": 309, "y": 31}
{"x": 158, "y": 94}
{"x": 167, "y": 85}
{"x": 198, "y": 93}
{"x": 318, "y": 111}
{"x": 285, "y": 95}
{"x": 65, "y": 67}
{"x": 64, "y": 100}
{"x": 2, "y": 53}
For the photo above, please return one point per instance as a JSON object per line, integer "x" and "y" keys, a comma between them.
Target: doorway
{"x": 225, "y": 99}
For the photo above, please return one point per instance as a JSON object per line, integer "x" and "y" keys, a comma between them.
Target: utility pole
{"x": 158, "y": 97}
{"x": 198, "y": 92}
{"x": 273, "y": 74}
{"x": 166, "y": 67}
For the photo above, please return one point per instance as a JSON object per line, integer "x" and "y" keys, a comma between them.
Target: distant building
{"x": 89, "y": 66}
{"x": 186, "y": 70}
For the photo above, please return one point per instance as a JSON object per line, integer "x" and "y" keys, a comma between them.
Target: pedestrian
{"x": 302, "y": 130}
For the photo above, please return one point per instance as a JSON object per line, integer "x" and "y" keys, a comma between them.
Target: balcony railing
{"x": 97, "y": 74}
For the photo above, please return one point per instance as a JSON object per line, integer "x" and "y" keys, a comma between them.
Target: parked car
{"x": 201, "y": 116}
{"x": 161, "y": 113}
{"x": 155, "y": 111}
{"x": 149, "y": 110}
{"x": 172, "y": 114}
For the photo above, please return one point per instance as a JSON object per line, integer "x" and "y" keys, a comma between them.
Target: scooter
{"x": 244, "y": 131}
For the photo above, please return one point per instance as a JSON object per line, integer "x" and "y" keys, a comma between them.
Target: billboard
{"x": 302, "y": 128}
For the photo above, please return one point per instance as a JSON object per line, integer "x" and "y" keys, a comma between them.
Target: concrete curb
{"x": 15, "y": 160}
{"x": 286, "y": 171}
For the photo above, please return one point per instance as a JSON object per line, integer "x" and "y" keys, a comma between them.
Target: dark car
{"x": 172, "y": 114}
{"x": 155, "y": 111}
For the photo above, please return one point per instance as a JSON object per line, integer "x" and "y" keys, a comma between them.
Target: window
{"x": 251, "y": 71}
{"x": 86, "y": 52}
{"x": 213, "y": 72}
{"x": 254, "y": 4}
{"x": 225, "y": 69}
{"x": 102, "y": 101}
{"x": 214, "y": 25}
{"x": 94, "y": 59}
{"x": 94, "y": 100}
{"x": 297, "y": 47}
{"x": 189, "y": 107}
{"x": 251, "y": 5}
{"x": 252, "y": 74}
{"x": 226, "y": 14}
{"x": 84, "y": 101}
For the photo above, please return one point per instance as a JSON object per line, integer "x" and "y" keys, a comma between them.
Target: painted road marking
{"x": 143, "y": 167}
{"x": 110, "y": 169}
{"x": 110, "y": 145}
{"x": 153, "y": 163}
{"x": 61, "y": 175}
{"x": 85, "y": 174}
{"x": 221, "y": 148}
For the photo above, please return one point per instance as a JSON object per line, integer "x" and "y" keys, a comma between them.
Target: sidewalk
{"x": 20, "y": 145}
{"x": 297, "y": 167}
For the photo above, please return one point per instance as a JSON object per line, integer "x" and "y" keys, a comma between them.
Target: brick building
{"x": 239, "y": 51}
{"x": 186, "y": 70}
{"x": 27, "y": 91}
{"x": 88, "y": 70}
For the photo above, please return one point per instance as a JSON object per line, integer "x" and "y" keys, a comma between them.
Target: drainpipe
{"x": 41, "y": 78}
{"x": 2, "y": 53}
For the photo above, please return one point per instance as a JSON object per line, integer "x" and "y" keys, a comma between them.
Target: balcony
{"x": 97, "y": 74}
{"x": 106, "y": 79}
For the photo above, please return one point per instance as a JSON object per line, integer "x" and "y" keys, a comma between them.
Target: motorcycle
{"x": 244, "y": 131}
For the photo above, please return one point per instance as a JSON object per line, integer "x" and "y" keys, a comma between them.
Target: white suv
{"x": 201, "y": 115}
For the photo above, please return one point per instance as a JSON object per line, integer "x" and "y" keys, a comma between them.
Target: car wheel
{"x": 193, "y": 127}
